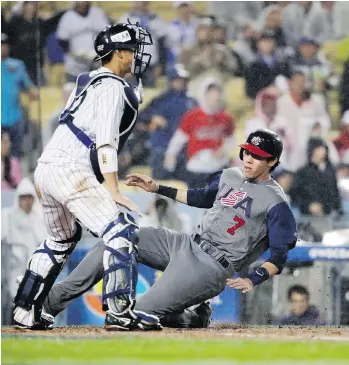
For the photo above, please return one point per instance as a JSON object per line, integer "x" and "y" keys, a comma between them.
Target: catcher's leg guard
{"x": 120, "y": 265}
{"x": 43, "y": 268}
{"x": 120, "y": 276}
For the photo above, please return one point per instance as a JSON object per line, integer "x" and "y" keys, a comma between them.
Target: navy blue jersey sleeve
{"x": 205, "y": 197}
{"x": 282, "y": 232}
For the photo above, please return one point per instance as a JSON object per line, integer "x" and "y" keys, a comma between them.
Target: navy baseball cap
{"x": 308, "y": 40}
{"x": 268, "y": 34}
{"x": 178, "y": 71}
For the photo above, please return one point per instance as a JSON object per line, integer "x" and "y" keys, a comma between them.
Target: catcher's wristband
{"x": 167, "y": 191}
{"x": 259, "y": 276}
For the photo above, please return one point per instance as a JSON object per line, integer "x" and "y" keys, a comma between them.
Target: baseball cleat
{"x": 113, "y": 322}
{"x": 126, "y": 322}
{"x": 204, "y": 311}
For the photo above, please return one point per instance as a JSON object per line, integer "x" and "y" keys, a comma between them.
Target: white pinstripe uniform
{"x": 64, "y": 179}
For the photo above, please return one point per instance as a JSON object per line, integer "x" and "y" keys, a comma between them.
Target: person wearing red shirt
{"x": 208, "y": 132}
{"x": 342, "y": 141}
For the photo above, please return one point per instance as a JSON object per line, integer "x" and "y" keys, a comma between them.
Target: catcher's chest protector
{"x": 127, "y": 123}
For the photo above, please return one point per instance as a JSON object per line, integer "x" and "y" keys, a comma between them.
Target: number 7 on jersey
{"x": 239, "y": 223}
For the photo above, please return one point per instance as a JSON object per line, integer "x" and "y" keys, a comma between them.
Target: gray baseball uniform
{"x": 243, "y": 220}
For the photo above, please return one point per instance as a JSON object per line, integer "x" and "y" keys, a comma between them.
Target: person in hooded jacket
{"x": 315, "y": 189}
{"x": 23, "y": 229}
{"x": 302, "y": 313}
{"x": 208, "y": 131}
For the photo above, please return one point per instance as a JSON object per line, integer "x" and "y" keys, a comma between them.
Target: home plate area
{"x": 333, "y": 333}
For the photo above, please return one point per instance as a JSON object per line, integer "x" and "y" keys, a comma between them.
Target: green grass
{"x": 17, "y": 350}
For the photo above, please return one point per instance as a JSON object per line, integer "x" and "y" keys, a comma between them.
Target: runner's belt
{"x": 213, "y": 251}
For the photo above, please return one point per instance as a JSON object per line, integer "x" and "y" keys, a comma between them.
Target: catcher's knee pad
{"x": 120, "y": 265}
{"x": 43, "y": 268}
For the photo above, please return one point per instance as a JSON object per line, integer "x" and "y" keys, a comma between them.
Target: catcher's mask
{"x": 125, "y": 36}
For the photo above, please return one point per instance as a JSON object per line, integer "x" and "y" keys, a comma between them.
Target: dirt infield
{"x": 215, "y": 331}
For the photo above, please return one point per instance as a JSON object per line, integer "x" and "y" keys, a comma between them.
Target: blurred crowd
{"x": 186, "y": 132}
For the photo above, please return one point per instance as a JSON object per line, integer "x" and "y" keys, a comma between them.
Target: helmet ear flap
{"x": 241, "y": 154}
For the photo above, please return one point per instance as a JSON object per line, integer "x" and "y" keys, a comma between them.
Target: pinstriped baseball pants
{"x": 68, "y": 192}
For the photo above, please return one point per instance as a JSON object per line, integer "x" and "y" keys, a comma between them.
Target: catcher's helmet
{"x": 263, "y": 143}
{"x": 125, "y": 36}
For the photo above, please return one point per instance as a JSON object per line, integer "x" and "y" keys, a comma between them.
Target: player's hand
{"x": 142, "y": 181}
{"x": 243, "y": 284}
{"x": 126, "y": 202}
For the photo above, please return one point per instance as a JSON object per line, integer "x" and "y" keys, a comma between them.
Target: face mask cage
{"x": 141, "y": 59}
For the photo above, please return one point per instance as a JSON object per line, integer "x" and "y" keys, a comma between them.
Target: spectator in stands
{"x": 23, "y": 33}
{"x": 319, "y": 24}
{"x": 246, "y": 44}
{"x": 344, "y": 88}
{"x": 23, "y": 228}
{"x": 307, "y": 60}
{"x": 14, "y": 79}
{"x": 235, "y": 14}
{"x": 343, "y": 183}
{"x": 340, "y": 17}
{"x": 270, "y": 6}
{"x": 208, "y": 130}
{"x": 302, "y": 313}
{"x": 285, "y": 179}
{"x": 263, "y": 71}
{"x": 181, "y": 32}
{"x": 320, "y": 20}
{"x": 318, "y": 131}
{"x": 10, "y": 166}
{"x": 4, "y": 22}
{"x": 265, "y": 111}
{"x": 299, "y": 110}
{"x": 327, "y": 20}
{"x": 207, "y": 56}
{"x": 149, "y": 20}
{"x": 315, "y": 189}
{"x": 162, "y": 212}
{"x": 163, "y": 115}
{"x": 75, "y": 33}
{"x": 272, "y": 24}
{"x": 294, "y": 17}
{"x": 220, "y": 37}
{"x": 342, "y": 141}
